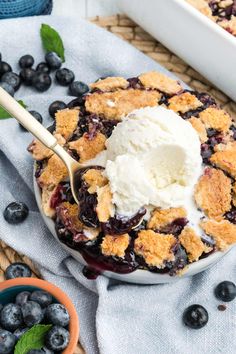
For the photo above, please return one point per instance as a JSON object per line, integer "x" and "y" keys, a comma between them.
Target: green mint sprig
{"x": 32, "y": 339}
{"x": 5, "y": 115}
{"x": 52, "y": 41}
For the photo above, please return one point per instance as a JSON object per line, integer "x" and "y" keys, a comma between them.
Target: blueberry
{"x": 225, "y": 291}
{"x": 53, "y": 60}
{"x": 18, "y": 270}
{"x": 4, "y": 68}
{"x": 58, "y": 315}
{"x": 0, "y": 56}
{"x": 27, "y": 61}
{"x": 16, "y": 212}
{"x": 22, "y": 297}
{"x": 57, "y": 338}
{"x": 11, "y": 317}
{"x": 7, "y": 342}
{"x": 32, "y": 313}
{"x": 64, "y": 76}
{"x": 12, "y": 79}
{"x": 43, "y": 67}
{"x": 56, "y": 106}
{"x": 8, "y": 88}
{"x": 27, "y": 75}
{"x": 41, "y": 81}
{"x": 78, "y": 88}
{"x": 43, "y": 298}
{"x": 195, "y": 316}
{"x": 20, "y": 331}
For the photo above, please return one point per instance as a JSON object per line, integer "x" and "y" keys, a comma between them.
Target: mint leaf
{"x": 52, "y": 41}
{"x": 32, "y": 339}
{"x": 5, "y": 115}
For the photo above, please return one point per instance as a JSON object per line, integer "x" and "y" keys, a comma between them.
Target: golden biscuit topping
{"x": 229, "y": 25}
{"x": 225, "y": 158}
{"x": 163, "y": 217}
{"x": 192, "y": 244}
{"x": 110, "y": 84}
{"x": 202, "y": 6}
{"x": 184, "y": 102}
{"x": 223, "y": 232}
{"x": 66, "y": 122}
{"x": 200, "y": 128}
{"x": 104, "y": 207}
{"x": 88, "y": 148}
{"x": 216, "y": 119}
{"x": 40, "y": 151}
{"x": 94, "y": 178}
{"x": 47, "y": 194}
{"x": 54, "y": 172}
{"x": 156, "y": 80}
{"x": 213, "y": 193}
{"x": 69, "y": 214}
{"x": 155, "y": 248}
{"x": 115, "y": 245}
{"x": 115, "y": 105}
{"x": 234, "y": 195}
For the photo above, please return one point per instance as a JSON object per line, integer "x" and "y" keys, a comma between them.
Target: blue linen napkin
{"x": 114, "y": 317}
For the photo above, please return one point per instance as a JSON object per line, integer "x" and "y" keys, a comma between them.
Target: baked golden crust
{"x": 47, "y": 194}
{"x": 88, "y": 148}
{"x": 223, "y": 232}
{"x": 213, "y": 193}
{"x": 192, "y": 244}
{"x": 40, "y": 151}
{"x": 184, "y": 102}
{"x": 53, "y": 173}
{"x": 115, "y": 245}
{"x": 94, "y": 178}
{"x": 225, "y": 158}
{"x": 104, "y": 207}
{"x": 155, "y": 248}
{"x": 229, "y": 25}
{"x": 200, "y": 128}
{"x": 117, "y": 104}
{"x": 234, "y": 194}
{"x": 216, "y": 119}
{"x": 159, "y": 81}
{"x": 66, "y": 122}
{"x": 203, "y": 7}
{"x": 69, "y": 213}
{"x": 110, "y": 84}
{"x": 163, "y": 217}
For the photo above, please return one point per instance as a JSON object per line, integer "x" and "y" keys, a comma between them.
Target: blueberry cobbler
{"x": 157, "y": 191}
{"x": 223, "y": 12}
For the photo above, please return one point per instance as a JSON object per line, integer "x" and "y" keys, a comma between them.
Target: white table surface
{"x": 85, "y": 8}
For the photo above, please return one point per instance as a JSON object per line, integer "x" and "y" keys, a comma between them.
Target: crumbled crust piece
{"x": 69, "y": 215}
{"x": 229, "y": 25}
{"x": 104, "y": 207}
{"x": 184, "y": 102}
{"x": 202, "y": 6}
{"x": 192, "y": 244}
{"x": 216, "y": 119}
{"x": 234, "y": 194}
{"x": 53, "y": 173}
{"x": 213, "y": 193}
{"x": 155, "y": 248}
{"x": 156, "y": 80}
{"x": 223, "y": 232}
{"x": 110, "y": 84}
{"x": 94, "y": 178}
{"x": 40, "y": 152}
{"x": 225, "y": 158}
{"x": 163, "y": 217}
{"x": 115, "y": 245}
{"x": 88, "y": 148}
{"x": 115, "y": 105}
{"x": 47, "y": 194}
{"x": 66, "y": 122}
{"x": 200, "y": 128}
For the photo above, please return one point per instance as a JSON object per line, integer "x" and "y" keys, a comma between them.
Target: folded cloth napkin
{"x": 114, "y": 317}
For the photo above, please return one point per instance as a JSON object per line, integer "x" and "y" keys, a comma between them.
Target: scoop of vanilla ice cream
{"x": 152, "y": 159}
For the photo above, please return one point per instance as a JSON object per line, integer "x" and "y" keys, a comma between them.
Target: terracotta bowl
{"x": 10, "y": 288}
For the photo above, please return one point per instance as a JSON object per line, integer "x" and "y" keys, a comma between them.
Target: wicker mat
{"x": 123, "y": 27}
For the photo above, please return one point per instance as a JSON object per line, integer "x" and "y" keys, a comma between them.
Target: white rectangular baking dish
{"x": 192, "y": 36}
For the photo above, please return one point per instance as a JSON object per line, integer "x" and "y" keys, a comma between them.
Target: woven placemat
{"x": 123, "y": 27}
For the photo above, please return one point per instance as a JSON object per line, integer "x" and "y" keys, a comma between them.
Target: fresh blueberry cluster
{"x": 28, "y": 310}
{"x": 196, "y": 316}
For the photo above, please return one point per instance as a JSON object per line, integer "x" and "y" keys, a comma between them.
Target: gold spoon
{"x": 42, "y": 134}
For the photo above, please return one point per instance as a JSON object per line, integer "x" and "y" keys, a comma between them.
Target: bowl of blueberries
{"x": 36, "y": 317}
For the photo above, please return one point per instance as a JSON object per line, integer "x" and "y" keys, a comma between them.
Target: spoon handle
{"x": 26, "y": 119}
